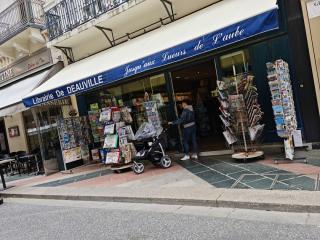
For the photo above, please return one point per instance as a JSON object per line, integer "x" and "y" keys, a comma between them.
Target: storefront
{"x": 169, "y": 69}
{"x": 311, "y": 15}
{"x": 3, "y": 138}
{"x": 17, "y": 123}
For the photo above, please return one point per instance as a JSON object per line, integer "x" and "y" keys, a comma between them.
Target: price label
{"x": 313, "y": 8}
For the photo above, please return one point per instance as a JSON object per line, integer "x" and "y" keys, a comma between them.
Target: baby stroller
{"x": 150, "y": 146}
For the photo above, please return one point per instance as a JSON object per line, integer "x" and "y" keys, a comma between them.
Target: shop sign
{"x": 313, "y": 8}
{"x": 29, "y": 64}
{"x": 259, "y": 24}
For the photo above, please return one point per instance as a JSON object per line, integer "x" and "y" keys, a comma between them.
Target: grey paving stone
{"x": 314, "y": 162}
{"x": 256, "y": 175}
{"x": 278, "y": 171}
{"x": 17, "y": 177}
{"x": 188, "y": 164}
{"x": 280, "y": 186}
{"x": 226, "y": 168}
{"x": 261, "y": 184}
{"x": 238, "y": 174}
{"x": 198, "y": 169}
{"x": 269, "y": 176}
{"x": 211, "y": 176}
{"x": 75, "y": 179}
{"x": 258, "y": 168}
{"x": 304, "y": 183}
{"x": 210, "y": 162}
{"x": 287, "y": 176}
{"x": 224, "y": 184}
{"x": 241, "y": 186}
{"x": 250, "y": 178}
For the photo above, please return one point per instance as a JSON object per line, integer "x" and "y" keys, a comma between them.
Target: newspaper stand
{"x": 284, "y": 108}
{"x": 241, "y": 114}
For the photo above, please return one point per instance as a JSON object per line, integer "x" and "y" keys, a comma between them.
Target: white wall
{"x": 5, "y": 3}
{"x": 313, "y": 35}
{"x": 16, "y": 143}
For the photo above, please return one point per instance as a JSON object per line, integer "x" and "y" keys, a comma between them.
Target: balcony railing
{"x": 20, "y": 15}
{"x": 69, "y": 14}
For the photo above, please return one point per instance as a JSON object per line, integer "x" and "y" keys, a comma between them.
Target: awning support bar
{"x": 105, "y": 32}
{"x": 67, "y": 51}
{"x": 169, "y": 8}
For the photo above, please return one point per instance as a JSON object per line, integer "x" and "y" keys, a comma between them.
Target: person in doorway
{"x": 187, "y": 121}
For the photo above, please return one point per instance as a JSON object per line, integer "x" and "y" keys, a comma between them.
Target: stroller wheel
{"x": 165, "y": 162}
{"x": 138, "y": 168}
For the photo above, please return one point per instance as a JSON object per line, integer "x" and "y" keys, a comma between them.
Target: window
{"x": 235, "y": 63}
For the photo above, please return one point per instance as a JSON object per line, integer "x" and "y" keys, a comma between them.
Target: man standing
{"x": 187, "y": 121}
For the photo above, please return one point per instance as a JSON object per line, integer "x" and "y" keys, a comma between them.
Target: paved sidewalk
{"x": 211, "y": 181}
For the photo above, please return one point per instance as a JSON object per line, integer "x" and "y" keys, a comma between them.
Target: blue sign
{"x": 259, "y": 24}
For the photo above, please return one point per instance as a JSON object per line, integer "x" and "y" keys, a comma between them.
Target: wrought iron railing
{"x": 69, "y": 14}
{"x": 20, "y": 15}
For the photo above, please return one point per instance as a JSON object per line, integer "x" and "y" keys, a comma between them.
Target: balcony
{"x": 19, "y": 16}
{"x": 70, "y": 14}
{"x": 76, "y": 24}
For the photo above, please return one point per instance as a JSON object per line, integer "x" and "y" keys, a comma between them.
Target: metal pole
{"x": 2, "y": 179}
{"x": 35, "y": 117}
{"x": 241, "y": 119}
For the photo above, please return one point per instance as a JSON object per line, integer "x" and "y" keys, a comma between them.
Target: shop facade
{"x": 170, "y": 70}
{"x": 17, "y": 121}
{"x": 311, "y": 15}
{"x": 3, "y": 138}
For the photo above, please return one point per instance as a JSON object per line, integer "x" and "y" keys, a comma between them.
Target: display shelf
{"x": 240, "y": 115}
{"x": 74, "y": 136}
{"x": 283, "y": 105}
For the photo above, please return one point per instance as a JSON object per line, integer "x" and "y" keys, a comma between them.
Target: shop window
{"x": 48, "y": 130}
{"x": 235, "y": 63}
{"x": 133, "y": 94}
{"x": 3, "y": 139}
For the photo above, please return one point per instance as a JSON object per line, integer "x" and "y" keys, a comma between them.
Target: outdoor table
{"x": 30, "y": 156}
{"x": 2, "y": 163}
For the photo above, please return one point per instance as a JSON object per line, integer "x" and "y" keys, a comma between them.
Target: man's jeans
{"x": 189, "y": 135}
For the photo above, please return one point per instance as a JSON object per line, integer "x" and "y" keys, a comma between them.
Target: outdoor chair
{"x": 22, "y": 163}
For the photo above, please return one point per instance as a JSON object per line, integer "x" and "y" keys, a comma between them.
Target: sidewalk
{"x": 211, "y": 181}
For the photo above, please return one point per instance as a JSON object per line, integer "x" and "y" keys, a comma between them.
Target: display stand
{"x": 74, "y": 136}
{"x": 153, "y": 115}
{"x": 117, "y": 150}
{"x": 240, "y": 114}
{"x": 283, "y": 107}
{"x": 96, "y": 126}
{"x": 112, "y": 127}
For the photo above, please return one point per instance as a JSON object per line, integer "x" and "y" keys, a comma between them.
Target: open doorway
{"x": 198, "y": 84}
{"x": 3, "y": 138}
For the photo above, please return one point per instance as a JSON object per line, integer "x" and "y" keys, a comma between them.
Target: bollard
{"x": 2, "y": 179}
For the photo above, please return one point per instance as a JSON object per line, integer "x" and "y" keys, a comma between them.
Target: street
{"x": 48, "y": 219}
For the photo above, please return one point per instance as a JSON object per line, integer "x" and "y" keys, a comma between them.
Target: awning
{"x": 219, "y": 25}
{"x": 11, "y": 96}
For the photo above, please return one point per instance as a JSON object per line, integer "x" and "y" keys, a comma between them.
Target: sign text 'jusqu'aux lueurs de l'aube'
{"x": 240, "y": 31}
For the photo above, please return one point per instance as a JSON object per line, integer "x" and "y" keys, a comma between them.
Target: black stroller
{"x": 150, "y": 146}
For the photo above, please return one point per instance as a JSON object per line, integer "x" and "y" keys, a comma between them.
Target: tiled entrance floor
{"x": 221, "y": 172}
{"x": 17, "y": 177}
{"x": 74, "y": 179}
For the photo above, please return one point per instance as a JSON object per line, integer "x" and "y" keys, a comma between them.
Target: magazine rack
{"x": 240, "y": 114}
{"x": 284, "y": 108}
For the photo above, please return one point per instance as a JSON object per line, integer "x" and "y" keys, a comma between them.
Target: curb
{"x": 170, "y": 201}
